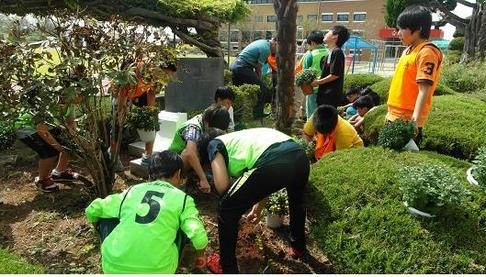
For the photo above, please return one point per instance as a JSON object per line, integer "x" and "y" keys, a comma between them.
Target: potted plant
{"x": 276, "y": 207}
{"x": 304, "y": 78}
{"x": 398, "y": 135}
{"x": 429, "y": 189}
{"x": 476, "y": 174}
{"x": 145, "y": 119}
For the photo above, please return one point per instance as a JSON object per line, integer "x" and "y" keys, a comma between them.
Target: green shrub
{"x": 309, "y": 147}
{"x": 452, "y": 57}
{"x": 454, "y": 126}
{"x": 456, "y": 44}
{"x": 361, "y": 224}
{"x": 228, "y": 77}
{"x": 395, "y": 135}
{"x": 246, "y": 97}
{"x": 479, "y": 167}
{"x": 361, "y": 80}
{"x": 381, "y": 88}
{"x": 145, "y": 118}
{"x": 7, "y": 136}
{"x": 430, "y": 188}
{"x": 456, "y": 77}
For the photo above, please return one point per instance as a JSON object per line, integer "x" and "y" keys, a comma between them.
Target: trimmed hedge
{"x": 361, "y": 224}
{"x": 246, "y": 97}
{"x": 360, "y": 80}
{"x": 455, "y": 126}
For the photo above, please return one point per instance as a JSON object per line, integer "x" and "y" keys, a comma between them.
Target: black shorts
{"x": 36, "y": 143}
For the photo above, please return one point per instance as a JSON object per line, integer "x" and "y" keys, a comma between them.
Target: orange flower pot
{"x": 306, "y": 89}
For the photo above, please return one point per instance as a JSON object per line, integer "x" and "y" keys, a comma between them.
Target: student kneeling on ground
{"x": 330, "y": 131}
{"x": 152, "y": 215}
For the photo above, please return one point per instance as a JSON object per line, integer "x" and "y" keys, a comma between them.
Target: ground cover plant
{"x": 451, "y": 129}
{"x": 356, "y": 208}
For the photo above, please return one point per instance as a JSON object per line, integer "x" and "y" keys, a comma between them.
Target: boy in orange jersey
{"x": 417, "y": 72}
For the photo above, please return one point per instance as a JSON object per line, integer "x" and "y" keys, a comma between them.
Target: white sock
{"x": 54, "y": 171}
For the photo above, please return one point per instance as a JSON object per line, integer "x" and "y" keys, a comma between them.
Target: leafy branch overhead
{"x": 195, "y": 21}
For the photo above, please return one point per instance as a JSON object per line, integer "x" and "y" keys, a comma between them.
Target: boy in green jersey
{"x": 151, "y": 216}
{"x": 264, "y": 160}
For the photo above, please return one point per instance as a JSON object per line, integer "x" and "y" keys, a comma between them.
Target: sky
{"x": 461, "y": 11}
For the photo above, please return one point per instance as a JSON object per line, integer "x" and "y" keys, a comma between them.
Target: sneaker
{"x": 145, "y": 160}
{"x": 46, "y": 185}
{"x": 213, "y": 264}
{"x": 67, "y": 176}
{"x": 296, "y": 254}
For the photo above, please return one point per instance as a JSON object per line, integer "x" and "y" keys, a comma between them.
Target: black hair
{"x": 216, "y": 116}
{"x": 364, "y": 102}
{"x": 325, "y": 119}
{"x": 343, "y": 34}
{"x": 416, "y": 18}
{"x": 372, "y": 94}
{"x": 169, "y": 66}
{"x": 315, "y": 36}
{"x": 164, "y": 164}
{"x": 203, "y": 142}
{"x": 352, "y": 91}
{"x": 224, "y": 93}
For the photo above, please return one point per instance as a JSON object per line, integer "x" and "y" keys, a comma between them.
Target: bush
{"x": 462, "y": 80}
{"x": 430, "y": 188}
{"x": 454, "y": 126}
{"x": 360, "y": 222}
{"x": 456, "y": 44}
{"x": 381, "y": 88}
{"x": 452, "y": 57}
{"x": 7, "y": 136}
{"x": 228, "y": 77}
{"x": 479, "y": 167}
{"x": 360, "y": 80}
{"x": 395, "y": 135}
{"x": 246, "y": 97}
{"x": 144, "y": 118}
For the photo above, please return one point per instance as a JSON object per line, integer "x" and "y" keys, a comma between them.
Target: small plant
{"x": 479, "y": 167}
{"x": 430, "y": 187}
{"x": 277, "y": 203}
{"x": 308, "y": 146}
{"x": 7, "y": 136}
{"x": 395, "y": 135}
{"x": 144, "y": 118}
{"x": 306, "y": 76}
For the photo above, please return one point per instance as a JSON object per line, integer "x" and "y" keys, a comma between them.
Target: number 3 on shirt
{"x": 154, "y": 207}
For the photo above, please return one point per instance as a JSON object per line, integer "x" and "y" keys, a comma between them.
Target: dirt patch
{"x": 51, "y": 230}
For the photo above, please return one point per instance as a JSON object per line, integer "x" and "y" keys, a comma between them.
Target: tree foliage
{"x": 473, "y": 27}
{"x": 195, "y": 21}
{"x": 65, "y": 78}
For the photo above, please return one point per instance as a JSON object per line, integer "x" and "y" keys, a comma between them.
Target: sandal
{"x": 213, "y": 264}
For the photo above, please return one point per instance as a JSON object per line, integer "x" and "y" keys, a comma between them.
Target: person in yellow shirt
{"x": 417, "y": 72}
{"x": 330, "y": 131}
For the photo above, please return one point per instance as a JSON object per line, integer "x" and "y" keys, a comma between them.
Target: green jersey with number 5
{"x": 150, "y": 217}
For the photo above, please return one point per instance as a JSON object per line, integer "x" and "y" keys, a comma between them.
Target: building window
{"x": 359, "y": 16}
{"x": 271, "y": 18}
{"x": 258, "y": 18}
{"x": 312, "y": 17}
{"x": 342, "y": 17}
{"x": 327, "y": 17}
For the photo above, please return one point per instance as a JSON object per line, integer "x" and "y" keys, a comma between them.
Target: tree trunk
{"x": 286, "y": 11}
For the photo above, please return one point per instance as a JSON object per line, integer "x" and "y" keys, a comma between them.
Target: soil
{"x": 51, "y": 230}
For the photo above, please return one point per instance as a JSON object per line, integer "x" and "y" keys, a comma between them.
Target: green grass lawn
{"x": 11, "y": 264}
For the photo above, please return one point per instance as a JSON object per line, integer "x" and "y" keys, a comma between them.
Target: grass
{"x": 11, "y": 264}
{"x": 361, "y": 224}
